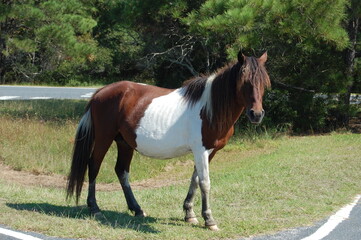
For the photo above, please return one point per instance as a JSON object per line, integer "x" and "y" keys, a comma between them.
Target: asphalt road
{"x": 26, "y": 92}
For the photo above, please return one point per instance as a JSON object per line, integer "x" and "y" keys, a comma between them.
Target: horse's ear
{"x": 241, "y": 57}
{"x": 263, "y": 58}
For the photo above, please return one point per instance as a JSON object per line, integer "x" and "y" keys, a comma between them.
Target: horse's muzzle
{"x": 255, "y": 116}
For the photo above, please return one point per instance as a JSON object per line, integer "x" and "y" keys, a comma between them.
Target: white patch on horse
{"x": 169, "y": 127}
{"x": 207, "y": 96}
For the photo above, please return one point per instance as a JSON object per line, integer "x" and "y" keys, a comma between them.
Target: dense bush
{"x": 313, "y": 47}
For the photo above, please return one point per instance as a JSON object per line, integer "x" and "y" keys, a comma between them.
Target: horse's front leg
{"x": 202, "y": 167}
{"x": 188, "y": 202}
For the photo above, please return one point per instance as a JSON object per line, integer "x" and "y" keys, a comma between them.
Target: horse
{"x": 162, "y": 123}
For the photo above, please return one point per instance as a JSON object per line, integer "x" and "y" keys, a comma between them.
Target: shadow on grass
{"x": 109, "y": 218}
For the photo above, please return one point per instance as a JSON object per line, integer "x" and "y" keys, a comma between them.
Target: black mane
{"x": 194, "y": 89}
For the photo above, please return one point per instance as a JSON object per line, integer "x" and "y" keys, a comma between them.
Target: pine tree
{"x": 307, "y": 41}
{"x": 40, "y": 38}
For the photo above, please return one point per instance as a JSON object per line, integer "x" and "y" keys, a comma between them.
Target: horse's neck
{"x": 236, "y": 113}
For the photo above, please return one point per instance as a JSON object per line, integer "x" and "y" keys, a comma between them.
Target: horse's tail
{"x": 83, "y": 147}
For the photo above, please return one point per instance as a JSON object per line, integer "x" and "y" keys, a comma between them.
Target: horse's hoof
{"x": 192, "y": 220}
{"x": 213, "y": 228}
{"x": 140, "y": 214}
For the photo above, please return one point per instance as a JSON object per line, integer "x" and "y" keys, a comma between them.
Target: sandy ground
{"x": 58, "y": 181}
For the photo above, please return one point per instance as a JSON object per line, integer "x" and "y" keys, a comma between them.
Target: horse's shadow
{"x": 108, "y": 218}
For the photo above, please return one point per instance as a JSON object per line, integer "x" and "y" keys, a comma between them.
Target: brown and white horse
{"x": 167, "y": 123}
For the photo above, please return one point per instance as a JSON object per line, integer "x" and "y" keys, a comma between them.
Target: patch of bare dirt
{"x": 167, "y": 178}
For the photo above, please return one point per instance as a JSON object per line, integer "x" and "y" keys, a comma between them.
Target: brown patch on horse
{"x": 128, "y": 102}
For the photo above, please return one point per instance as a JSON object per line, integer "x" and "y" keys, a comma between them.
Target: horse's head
{"x": 251, "y": 85}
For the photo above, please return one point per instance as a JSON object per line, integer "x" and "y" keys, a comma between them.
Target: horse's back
{"x": 121, "y": 88}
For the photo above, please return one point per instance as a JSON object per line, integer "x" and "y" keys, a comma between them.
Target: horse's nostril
{"x": 251, "y": 113}
{"x": 255, "y": 116}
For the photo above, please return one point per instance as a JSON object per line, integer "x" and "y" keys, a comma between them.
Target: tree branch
{"x": 287, "y": 86}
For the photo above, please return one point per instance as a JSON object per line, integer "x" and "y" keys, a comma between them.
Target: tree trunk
{"x": 350, "y": 55}
{"x": 2, "y": 58}
{"x": 4, "y": 28}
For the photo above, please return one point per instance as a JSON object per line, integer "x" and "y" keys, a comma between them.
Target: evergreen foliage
{"x": 313, "y": 47}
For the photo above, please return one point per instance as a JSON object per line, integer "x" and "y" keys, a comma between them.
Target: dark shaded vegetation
{"x": 313, "y": 48}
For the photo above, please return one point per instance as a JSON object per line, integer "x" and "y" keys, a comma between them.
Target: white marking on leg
{"x": 202, "y": 166}
{"x": 201, "y": 161}
{"x": 333, "y": 221}
{"x": 125, "y": 179}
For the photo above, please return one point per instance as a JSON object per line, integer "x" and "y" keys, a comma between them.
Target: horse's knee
{"x": 205, "y": 185}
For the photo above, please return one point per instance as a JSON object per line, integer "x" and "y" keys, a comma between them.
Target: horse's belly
{"x": 161, "y": 149}
{"x": 162, "y": 142}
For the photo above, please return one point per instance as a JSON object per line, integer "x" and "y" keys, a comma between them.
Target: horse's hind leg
{"x": 101, "y": 147}
{"x": 125, "y": 154}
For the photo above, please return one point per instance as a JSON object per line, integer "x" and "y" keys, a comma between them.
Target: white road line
{"x": 17, "y": 235}
{"x": 38, "y": 98}
{"x": 333, "y": 221}
{"x": 83, "y": 88}
{"x": 8, "y": 97}
{"x": 87, "y": 95}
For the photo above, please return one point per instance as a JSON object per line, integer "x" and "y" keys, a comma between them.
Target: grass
{"x": 258, "y": 186}
{"x": 55, "y": 111}
{"x": 38, "y": 136}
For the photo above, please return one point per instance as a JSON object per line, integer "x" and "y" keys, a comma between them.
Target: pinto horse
{"x": 164, "y": 123}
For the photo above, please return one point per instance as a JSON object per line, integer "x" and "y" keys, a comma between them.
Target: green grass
{"x": 259, "y": 186}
